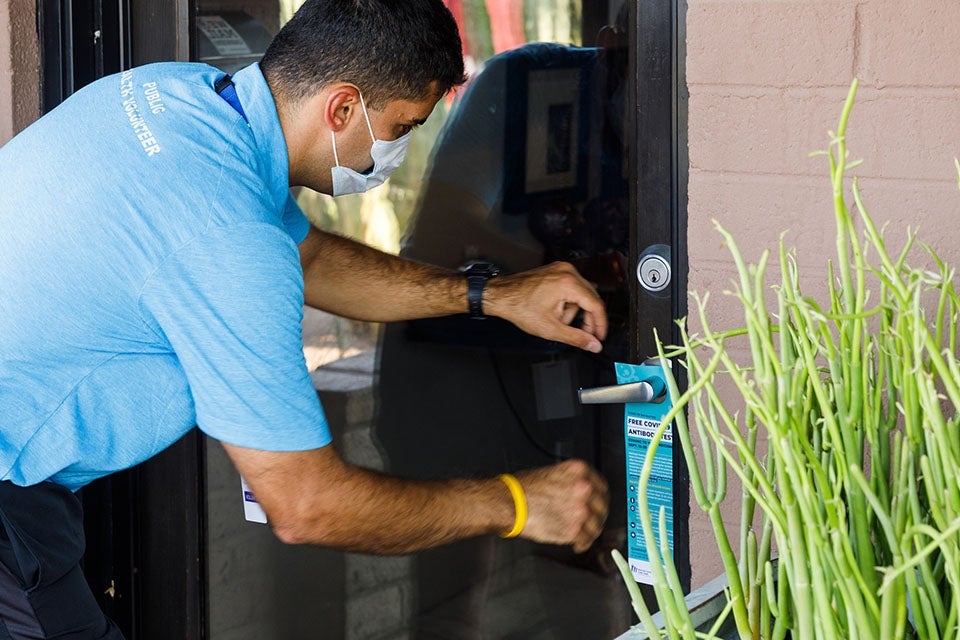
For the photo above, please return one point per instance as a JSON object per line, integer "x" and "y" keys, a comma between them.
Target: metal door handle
{"x": 643, "y": 391}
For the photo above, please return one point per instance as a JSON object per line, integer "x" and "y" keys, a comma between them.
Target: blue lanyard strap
{"x": 228, "y": 92}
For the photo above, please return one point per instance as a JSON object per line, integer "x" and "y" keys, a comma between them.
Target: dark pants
{"x": 43, "y": 593}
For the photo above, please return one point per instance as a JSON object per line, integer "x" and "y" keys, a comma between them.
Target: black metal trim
{"x": 80, "y": 41}
{"x": 52, "y": 54}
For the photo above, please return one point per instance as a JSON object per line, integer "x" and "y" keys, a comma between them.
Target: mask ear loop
{"x": 333, "y": 137}
{"x": 366, "y": 116}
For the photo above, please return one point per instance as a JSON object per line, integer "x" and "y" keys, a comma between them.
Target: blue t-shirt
{"x": 149, "y": 278}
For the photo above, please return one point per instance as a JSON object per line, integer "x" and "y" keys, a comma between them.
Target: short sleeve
{"x": 230, "y": 306}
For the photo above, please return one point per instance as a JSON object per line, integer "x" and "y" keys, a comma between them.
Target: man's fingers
{"x": 593, "y": 526}
{"x": 578, "y": 338}
{"x": 544, "y": 301}
{"x": 590, "y": 531}
{"x": 595, "y": 324}
{"x": 568, "y": 313}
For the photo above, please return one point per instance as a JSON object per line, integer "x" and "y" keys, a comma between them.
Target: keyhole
{"x": 653, "y": 268}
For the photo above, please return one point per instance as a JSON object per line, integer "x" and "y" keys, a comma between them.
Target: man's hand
{"x": 567, "y": 504}
{"x": 544, "y": 301}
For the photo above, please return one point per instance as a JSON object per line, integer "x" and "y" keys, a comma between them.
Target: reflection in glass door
{"x": 530, "y": 167}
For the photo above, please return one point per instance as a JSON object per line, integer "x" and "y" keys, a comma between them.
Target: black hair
{"x": 389, "y": 49}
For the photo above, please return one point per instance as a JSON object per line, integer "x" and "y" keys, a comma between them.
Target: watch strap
{"x": 475, "y": 286}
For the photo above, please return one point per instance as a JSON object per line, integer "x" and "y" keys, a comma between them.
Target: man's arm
{"x": 353, "y": 280}
{"x": 314, "y": 497}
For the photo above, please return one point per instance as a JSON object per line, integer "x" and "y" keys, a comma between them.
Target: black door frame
{"x": 658, "y": 161}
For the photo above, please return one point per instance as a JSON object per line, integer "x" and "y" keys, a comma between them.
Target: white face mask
{"x": 387, "y": 156}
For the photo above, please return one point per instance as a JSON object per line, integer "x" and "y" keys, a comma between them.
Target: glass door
{"x": 533, "y": 164}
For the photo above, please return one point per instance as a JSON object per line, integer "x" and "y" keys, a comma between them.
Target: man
{"x": 153, "y": 269}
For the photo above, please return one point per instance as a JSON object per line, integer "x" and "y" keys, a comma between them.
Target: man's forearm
{"x": 388, "y": 515}
{"x": 356, "y": 281}
{"x": 350, "y": 279}
{"x": 315, "y": 497}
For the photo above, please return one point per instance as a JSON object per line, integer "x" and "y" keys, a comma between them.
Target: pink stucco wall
{"x": 767, "y": 80}
{"x": 6, "y": 74}
{"x": 19, "y": 66}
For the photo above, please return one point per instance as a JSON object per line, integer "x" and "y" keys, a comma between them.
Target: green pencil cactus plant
{"x": 844, "y": 433}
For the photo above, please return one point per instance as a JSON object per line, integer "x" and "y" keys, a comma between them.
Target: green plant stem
{"x": 842, "y": 434}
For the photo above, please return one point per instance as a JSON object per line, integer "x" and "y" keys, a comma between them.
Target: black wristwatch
{"x": 477, "y": 274}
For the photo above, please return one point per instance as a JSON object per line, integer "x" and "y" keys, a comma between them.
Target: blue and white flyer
{"x": 640, "y": 422}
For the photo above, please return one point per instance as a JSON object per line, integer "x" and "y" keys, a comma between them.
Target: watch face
{"x": 485, "y": 269}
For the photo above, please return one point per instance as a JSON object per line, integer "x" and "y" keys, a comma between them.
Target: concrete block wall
{"x": 767, "y": 80}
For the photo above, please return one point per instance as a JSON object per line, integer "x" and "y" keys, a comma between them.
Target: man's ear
{"x": 341, "y": 103}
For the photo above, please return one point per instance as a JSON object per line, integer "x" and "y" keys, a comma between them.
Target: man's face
{"x": 393, "y": 120}
{"x": 388, "y": 121}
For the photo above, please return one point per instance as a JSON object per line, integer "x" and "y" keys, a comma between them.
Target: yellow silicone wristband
{"x": 519, "y": 504}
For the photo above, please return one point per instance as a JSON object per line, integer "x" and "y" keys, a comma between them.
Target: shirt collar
{"x": 261, "y": 111}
